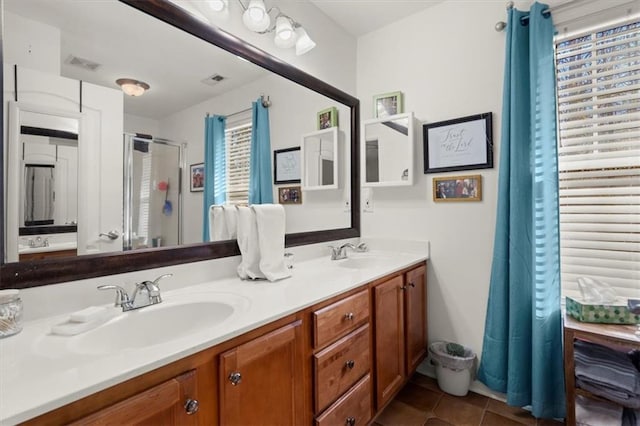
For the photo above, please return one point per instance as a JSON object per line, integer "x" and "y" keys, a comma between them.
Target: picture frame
{"x": 457, "y": 188}
{"x": 327, "y": 118}
{"x": 196, "y": 177}
{"x": 286, "y": 166}
{"x": 290, "y": 195}
{"x": 388, "y": 104}
{"x": 464, "y": 143}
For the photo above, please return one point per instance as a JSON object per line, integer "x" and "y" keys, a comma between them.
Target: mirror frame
{"x": 51, "y": 271}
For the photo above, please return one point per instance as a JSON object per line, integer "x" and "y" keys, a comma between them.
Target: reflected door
{"x": 152, "y": 193}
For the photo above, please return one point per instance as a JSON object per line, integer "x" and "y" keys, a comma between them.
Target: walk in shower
{"x": 152, "y": 192}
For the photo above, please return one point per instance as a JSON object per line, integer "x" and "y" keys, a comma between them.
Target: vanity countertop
{"x": 40, "y": 372}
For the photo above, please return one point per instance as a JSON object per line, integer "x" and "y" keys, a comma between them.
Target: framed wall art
{"x": 387, "y": 104}
{"x": 328, "y": 118}
{"x": 286, "y": 165}
{"x": 290, "y": 195}
{"x": 461, "y": 144}
{"x": 196, "y": 177}
{"x": 457, "y": 188}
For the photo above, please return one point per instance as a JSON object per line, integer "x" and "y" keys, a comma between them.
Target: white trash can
{"x": 454, "y": 373}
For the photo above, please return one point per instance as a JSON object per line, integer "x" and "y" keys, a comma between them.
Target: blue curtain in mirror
{"x": 215, "y": 167}
{"x": 522, "y": 348}
{"x": 260, "y": 183}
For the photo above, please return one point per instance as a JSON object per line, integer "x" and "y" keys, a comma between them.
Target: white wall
{"x": 137, "y": 124}
{"x": 448, "y": 62}
{"x": 31, "y": 44}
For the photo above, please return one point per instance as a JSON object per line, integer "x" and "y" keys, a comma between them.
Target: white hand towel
{"x": 231, "y": 219}
{"x": 217, "y": 224}
{"x": 270, "y": 220}
{"x": 248, "y": 242}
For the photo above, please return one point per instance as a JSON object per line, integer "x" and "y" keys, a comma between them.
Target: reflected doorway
{"x": 152, "y": 192}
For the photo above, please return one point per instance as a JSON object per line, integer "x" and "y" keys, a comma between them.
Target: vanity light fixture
{"x": 132, "y": 87}
{"x": 257, "y": 18}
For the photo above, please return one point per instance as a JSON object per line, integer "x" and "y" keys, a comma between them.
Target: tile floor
{"x": 422, "y": 403}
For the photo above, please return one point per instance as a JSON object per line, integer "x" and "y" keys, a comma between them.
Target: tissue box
{"x": 616, "y": 313}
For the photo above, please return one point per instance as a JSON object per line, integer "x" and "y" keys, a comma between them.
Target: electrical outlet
{"x": 367, "y": 200}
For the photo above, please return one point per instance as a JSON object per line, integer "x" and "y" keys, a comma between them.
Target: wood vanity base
{"x": 338, "y": 362}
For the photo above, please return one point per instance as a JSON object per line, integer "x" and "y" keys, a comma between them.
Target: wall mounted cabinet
{"x": 319, "y": 154}
{"x": 386, "y": 151}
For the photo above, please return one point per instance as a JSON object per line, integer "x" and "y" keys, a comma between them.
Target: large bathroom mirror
{"x": 66, "y": 56}
{"x": 387, "y": 151}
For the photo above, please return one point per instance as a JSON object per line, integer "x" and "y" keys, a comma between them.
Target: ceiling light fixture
{"x": 132, "y": 87}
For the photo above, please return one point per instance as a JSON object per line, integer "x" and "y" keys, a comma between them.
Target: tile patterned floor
{"x": 422, "y": 403}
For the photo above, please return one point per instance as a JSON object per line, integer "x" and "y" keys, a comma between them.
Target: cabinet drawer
{"x": 353, "y": 409}
{"x": 340, "y": 365}
{"x": 339, "y": 318}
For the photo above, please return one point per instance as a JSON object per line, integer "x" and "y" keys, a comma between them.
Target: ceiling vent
{"x": 214, "y": 79}
{"x": 82, "y": 63}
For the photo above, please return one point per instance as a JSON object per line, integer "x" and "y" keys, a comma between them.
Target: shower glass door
{"x": 153, "y": 198}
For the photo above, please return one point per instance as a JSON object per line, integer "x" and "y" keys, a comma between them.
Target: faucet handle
{"x": 121, "y": 294}
{"x": 161, "y": 277}
{"x": 362, "y": 247}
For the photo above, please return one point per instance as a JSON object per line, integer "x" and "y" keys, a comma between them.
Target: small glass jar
{"x": 10, "y": 313}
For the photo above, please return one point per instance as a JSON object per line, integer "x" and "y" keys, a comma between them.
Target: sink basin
{"x": 153, "y": 325}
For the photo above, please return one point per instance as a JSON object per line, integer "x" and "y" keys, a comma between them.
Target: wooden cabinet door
{"x": 261, "y": 381}
{"x": 164, "y": 404}
{"x": 389, "y": 338}
{"x": 415, "y": 314}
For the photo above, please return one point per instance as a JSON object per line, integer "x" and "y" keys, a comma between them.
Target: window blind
{"x": 598, "y": 90}
{"x": 238, "y": 139}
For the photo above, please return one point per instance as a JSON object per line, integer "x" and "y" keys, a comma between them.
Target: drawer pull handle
{"x": 235, "y": 378}
{"x": 351, "y": 421}
{"x": 191, "y": 406}
{"x": 349, "y": 316}
{"x": 350, "y": 364}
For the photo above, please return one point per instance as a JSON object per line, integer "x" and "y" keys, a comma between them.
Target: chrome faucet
{"x": 338, "y": 253}
{"x": 146, "y": 293}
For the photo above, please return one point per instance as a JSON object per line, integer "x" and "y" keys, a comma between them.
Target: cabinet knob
{"x": 411, "y": 284}
{"x": 404, "y": 287}
{"x": 350, "y": 364}
{"x": 235, "y": 378}
{"x": 191, "y": 406}
{"x": 349, "y": 316}
{"x": 351, "y": 421}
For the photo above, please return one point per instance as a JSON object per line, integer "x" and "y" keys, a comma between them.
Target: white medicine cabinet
{"x": 319, "y": 153}
{"x": 386, "y": 151}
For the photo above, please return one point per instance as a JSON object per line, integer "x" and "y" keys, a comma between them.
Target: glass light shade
{"x": 284, "y": 30}
{"x": 132, "y": 87}
{"x": 255, "y": 17}
{"x": 217, "y": 5}
{"x": 304, "y": 42}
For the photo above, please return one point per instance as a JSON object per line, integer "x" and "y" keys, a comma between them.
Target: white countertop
{"x": 40, "y": 372}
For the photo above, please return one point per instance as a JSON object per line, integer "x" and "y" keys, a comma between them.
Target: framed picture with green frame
{"x": 387, "y": 104}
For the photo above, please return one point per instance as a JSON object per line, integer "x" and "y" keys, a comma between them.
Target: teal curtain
{"x": 522, "y": 348}
{"x": 215, "y": 167}
{"x": 260, "y": 186}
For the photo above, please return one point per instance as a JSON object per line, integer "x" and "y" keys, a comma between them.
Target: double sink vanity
{"x": 330, "y": 345}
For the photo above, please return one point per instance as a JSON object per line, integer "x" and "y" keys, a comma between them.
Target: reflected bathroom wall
{"x": 153, "y": 200}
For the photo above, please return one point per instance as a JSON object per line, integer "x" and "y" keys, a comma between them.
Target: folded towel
{"x": 597, "y": 413}
{"x": 217, "y": 224}
{"x": 607, "y": 366}
{"x": 248, "y": 243}
{"x": 610, "y": 393}
{"x": 270, "y": 220}
{"x": 231, "y": 220}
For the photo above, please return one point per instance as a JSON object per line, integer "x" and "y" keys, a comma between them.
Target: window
{"x": 598, "y": 89}
{"x": 238, "y": 137}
